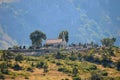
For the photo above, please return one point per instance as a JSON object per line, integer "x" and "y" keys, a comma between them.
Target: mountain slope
{"x": 86, "y": 21}
{"x": 5, "y": 40}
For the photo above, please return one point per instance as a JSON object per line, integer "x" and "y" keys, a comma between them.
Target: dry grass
{"x": 111, "y": 71}
{"x": 38, "y": 74}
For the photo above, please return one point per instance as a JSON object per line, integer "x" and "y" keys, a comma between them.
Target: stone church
{"x": 57, "y": 43}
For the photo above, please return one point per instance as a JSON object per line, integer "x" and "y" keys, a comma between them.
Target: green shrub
{"x": 29, "y": 58}
{"x": 58, "y": 55}
{"x": 61, "y": 56}
{"x": 17, "y": 67}
{"x": 118, "y": 66}
{"x": 64, "y": 69}
{"x": 32, "y": 64}
{"x": 97, "y": 60}
{"x": 73, "y": 57}
{"x": 30, "y": 69}
{"x": 19, "y": 58}
{"x": 89, "y": 57}
{"x": 75, "y": 71}
{"x": 104, "y": 73}
{"x": 10, "y": 65}
{"x": 5, "y": 71}
{"x": 66, "y": 79}
{"x": 76, "y": 78}
{"x": 59, "y": 63}
{"x": 2, "y": 77}
{"x": 53, "y": 61}
{"x": 40, "y": 65}
{"x": 26, "y": 77}
{"x": 12, "y": 77}
{"x": 4, "y": 68}
{"x": 106, "y": 60}
{"x": 45, "y": 67}
{"x": 93, "y": 67}
{"x": 95, "y": 76}
{"x": 61, "y": 69}
{"x": 13, "y": 74}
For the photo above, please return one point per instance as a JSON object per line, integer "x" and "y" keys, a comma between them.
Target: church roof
{"x": 54, "y": 41}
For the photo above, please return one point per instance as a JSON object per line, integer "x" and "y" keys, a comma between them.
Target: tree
{"x": 15, "y": 47}
{"x": 92, "y": 43}
{"x": 24, "y": 47}
{"x": 108, "y": 42}
{"x": 36, "y": 38}
{"x": 96, "y": 45}
{"x": 66, "y": 34}
{"x": 80, "y": 44}
{"x": 85, "y": 45}
{"x": 20, "y": 47}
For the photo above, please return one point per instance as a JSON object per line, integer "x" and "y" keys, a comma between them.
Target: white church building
{"x": 57, "y": 43}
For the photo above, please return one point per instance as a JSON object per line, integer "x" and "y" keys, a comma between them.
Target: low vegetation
{"x": 92, "y": 64}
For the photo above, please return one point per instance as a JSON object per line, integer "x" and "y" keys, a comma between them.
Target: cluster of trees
{"x": 17, "y": 47}
{"x": 38, "y": 36}
{"x": 108, "y": 42}
{"x": 85, "y": 45}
